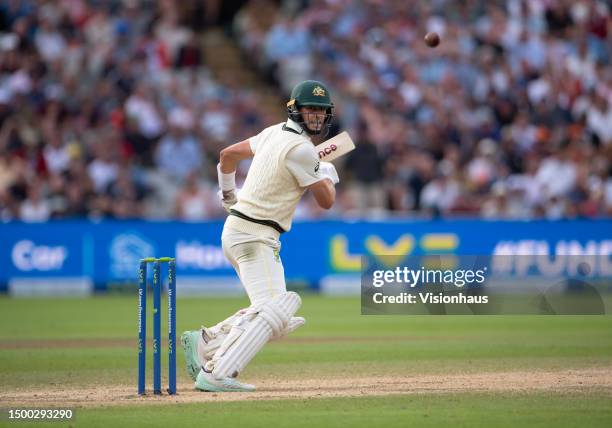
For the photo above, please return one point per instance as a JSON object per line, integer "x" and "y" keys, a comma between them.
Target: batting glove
{"x": 228, "y": 198}
{"x": 327, "y": 170}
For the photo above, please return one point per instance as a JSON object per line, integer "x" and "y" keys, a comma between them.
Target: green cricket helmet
{"x": 310, "y": 93}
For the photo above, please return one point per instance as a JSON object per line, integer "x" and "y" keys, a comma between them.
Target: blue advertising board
{"x": 108, "y": 251}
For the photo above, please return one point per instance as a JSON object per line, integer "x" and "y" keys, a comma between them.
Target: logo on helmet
{"x": 318, "y": 91}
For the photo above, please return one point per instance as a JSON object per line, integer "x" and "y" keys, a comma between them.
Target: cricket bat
{"x": 335, "y": 147}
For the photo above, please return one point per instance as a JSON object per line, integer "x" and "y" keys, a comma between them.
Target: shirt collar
{"x": 296, "y": 127}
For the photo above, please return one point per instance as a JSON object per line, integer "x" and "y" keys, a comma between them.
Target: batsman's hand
{"x": 228, "y": 198}
{"x": 327, "y": 170}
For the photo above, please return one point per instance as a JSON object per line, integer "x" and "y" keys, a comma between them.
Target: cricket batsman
{"x": 284, "y": 165}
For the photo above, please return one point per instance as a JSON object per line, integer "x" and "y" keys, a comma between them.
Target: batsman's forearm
{"x": 331, "y": 193}
{"x": 230, "y": 156}
{"x": 228, "y": 163}
{"x": 324, "y": 192}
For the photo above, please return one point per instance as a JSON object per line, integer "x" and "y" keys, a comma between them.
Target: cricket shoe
{"x": 189, "y": 341}
{"x": 207, "y": 382}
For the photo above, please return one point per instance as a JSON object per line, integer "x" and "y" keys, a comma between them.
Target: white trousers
{"x": 256, "y": 259}
{"x": 254, "y": 252}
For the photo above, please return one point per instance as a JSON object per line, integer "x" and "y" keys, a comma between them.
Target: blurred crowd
{"x": 510, "y": 117}
{"x": 108, "y": 109}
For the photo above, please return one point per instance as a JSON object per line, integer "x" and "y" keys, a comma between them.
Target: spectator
{"x": 103, "y": 169}
{"x": 216, "y": 121}
{"x": 189, "y": 54}
{"x": 195, "y": 201}
{"x": 35, "y": 207}
{"x": 179, "y": 153}
{"x": 287, "y": 50}
{"x": 142, "y": 108}
{"x": 364, "y": 165}
{"x": 56, "y": 155}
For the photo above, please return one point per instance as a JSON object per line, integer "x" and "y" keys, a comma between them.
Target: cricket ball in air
{"x": 432, "y": 39}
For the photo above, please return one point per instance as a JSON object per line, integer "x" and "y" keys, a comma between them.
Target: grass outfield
{"x": 448, "y": 410}
{"x": 91, "y": 343}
